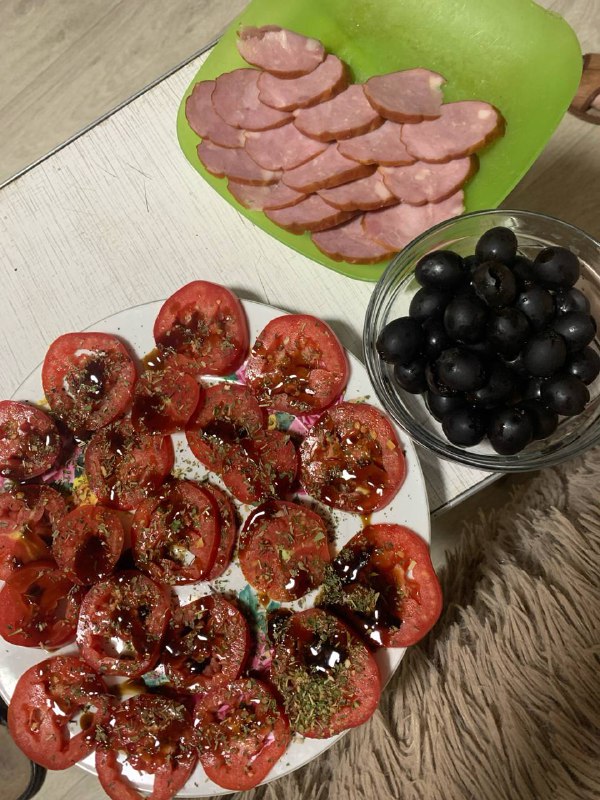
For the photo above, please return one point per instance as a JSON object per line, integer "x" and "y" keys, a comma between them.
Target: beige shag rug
{"x": 502, "y": 700}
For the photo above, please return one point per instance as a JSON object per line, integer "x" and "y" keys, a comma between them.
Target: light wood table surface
{"x": 118, "y": 218}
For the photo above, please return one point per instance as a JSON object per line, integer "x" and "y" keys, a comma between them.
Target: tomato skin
{"x": 353, "y": 439}
{"x": 88, "y": 379}
{"x": 241, "y": 763}
{"x": 202, "y": 329}
{"x": 227, "y": 540}
{"x": 88, "y": 543}
{"x": 30, "y": 443}
{"x": 132, "y": 609}
{"x": 297, "y": 364}
{"x": 186, "y": 516}
{"x": 46, "y": 696}
{"x": 164, "y": 401}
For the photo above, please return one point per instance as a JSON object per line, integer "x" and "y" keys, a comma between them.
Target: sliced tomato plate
{"x": 408, "y": 508}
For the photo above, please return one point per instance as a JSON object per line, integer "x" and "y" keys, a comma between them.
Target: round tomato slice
{"x": 227, "y": 414}
{"x": 164, "y": 401}
{"x": 88, "y": 543}
{"x": 47, "y": 697}
{"x": 243, "y": 733}
{"x": 327, "y": 677}
{"x": 383, "y": 581}
{"x": 175, "y": 537}
{"x": 30, "y": 443}
{"x": 283, "y": 550}
{"x": 39, "y": 607}
{"x": 124, "y": 466}
{"x": 264, "y": 465}
{"x": 88, "y": 379}
{"x": 156, "y": 735}
{"x": 204, "y": 326}
{"x": 206, "y": 645}
{"x": 122, "y": 622}
{"x": 228, "y": 518}
{"x": 351, "y": 459}
{"x": 297, "y": 364}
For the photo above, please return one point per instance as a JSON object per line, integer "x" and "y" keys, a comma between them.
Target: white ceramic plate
{"x": 409, "y": 507}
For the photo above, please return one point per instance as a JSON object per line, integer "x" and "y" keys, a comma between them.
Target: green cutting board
{"x": 512, "y": 53}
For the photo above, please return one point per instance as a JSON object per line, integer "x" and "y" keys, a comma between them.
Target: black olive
{"x": 483, "y": 348}
{"x": 428, "y": 304}
{"x": 442, "y": 270}
{"x": 556, "y": 268}
{"x": 439, "y": 405}
{"x": 538, "y": 306}
{"x": 517, "y": 365}
{"x": 400, "y": 341}
{"x": 523, "y": 271}
{"x": 584, "y": 365}
{"x": 572, "y": 300}
{"x": 498, "y": 390}
{"x": 576, "y": 328}
{"x": 565, "y": 394}
{"x": 509, "y": 430}
{"x": 465, "y": 318}
{"x": 435, "y": 338}
{"x": 495, "y": 284}
{"x": 507, "y": 331}
{"x": 532, "y": 390}
{"x": 499, "y": 244}
{"x": 544, "y": 354}
{"x": 464, "y": 427}
{"x": 470, "y": 263}
{"x": 543, "y": 419}
{"x": 436, "y": 386}
{"x": 411, "y": 376}
{"x": 461, "y": 370}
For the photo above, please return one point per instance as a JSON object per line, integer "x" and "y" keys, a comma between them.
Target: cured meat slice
{"x": 350, "y": 243}
{"x": 365, "y": 194}
{"x": 461, "y": 129}
{"x": 260, "y": 198}
{"x": 407, "y": 96}
{"x": 421, "y": 182}
{"x": 328, "y": 169}
{"x": 235, "y": 99}
{"x": 234, "y": 162}
{"x": 282, "y": 148}
{"x": 398, "y": 225}
{"x": 327, "y": 80}
{"x": 347, "y": 114}
{"x": 281, "y": 52}
{"x": 204, "y": 120}
{"x": 312, "y": 214}
{"x": 381, "y": 146}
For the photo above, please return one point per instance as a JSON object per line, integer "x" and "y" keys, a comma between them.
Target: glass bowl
{"x": 391, "y": 299}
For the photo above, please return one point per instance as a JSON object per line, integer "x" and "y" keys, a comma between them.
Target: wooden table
{"x": 117, "y": 217}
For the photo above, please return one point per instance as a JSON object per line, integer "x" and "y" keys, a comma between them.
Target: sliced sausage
{"x": 461, "y": 129}
{"x": 328, "y": 169}
{"x": 349, "y": 242}
{"x": 282, "y": 148}
{"x": 365, "y": 194}
{"x": 398, "y": 225}
{"x": 311, "y": 214}
{"x": 327, "y": 80}
{"x": 407, "y": 96}
{"x": 235, "y": 99}
{"x": 261, "y": 198}
{"x": 234, "y": 163}
{"x": 422, "y": 182}
{"x": 204, "y": 120}
{"x": 348, "y": 114}
{"x": 381, "y": 146}
{"x": 279, "y": 51}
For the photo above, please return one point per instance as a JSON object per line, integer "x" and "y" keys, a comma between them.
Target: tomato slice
{"x": 228, "y": 519}
{"x": 283, "y": 550}
{"x": 30, "y": 443}
{"x": 88, "y": 543}
{"x": 175, "y": 537}
{"x": 264, "y": 465}
{"x": 383, "y": 581}
{"x": 204, "y": 326}
{"x": 88, "y": 379}
{"x": 351, "y": 459}
{"x": 164, "y": 401}
{"x": 327, "y": 677}
{"x": 243, "y": 733}
{"x": 122, "y": 622}
{"x": 297, "y": 364}
{"x": 39, "y": 607}
{"x": 206, "y": 645}
{"x": 46, "y": 698}
{"x": 124, "y": 466}
{"x": 156, "y": 735}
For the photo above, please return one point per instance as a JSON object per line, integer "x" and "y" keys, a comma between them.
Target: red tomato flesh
{"x": 88, "y": 379}
{"x": 202, "y": 329}
{"x": 46, "y": 698}
{"x": 228, "y": 519}
{"x": 88, "y": 543}
{"x": 29, "y": 441}
{"x": 297, "y": 364}
{"x": 351, "y": 459}
{"x": 264, "y": 465}
{"x": 243, "y": 733}
{"x": 283, "y": 550}
{"x": 164, "y": 401}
